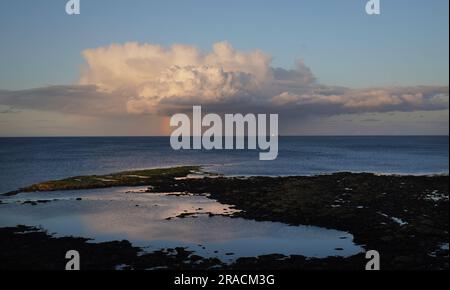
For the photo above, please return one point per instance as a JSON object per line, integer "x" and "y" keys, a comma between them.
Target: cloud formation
{"x": 152, "y": 75}
{"x": 406, "y": 99}
{"x": 71, "y": 99}
{"x": 147, "y": 79}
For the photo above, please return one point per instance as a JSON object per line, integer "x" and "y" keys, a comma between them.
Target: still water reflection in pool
{"x": 152, "y": 221}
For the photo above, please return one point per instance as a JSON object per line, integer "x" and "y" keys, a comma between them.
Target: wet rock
{"x": 309, "y": 200}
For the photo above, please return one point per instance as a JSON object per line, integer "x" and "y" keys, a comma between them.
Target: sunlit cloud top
{"x": 138, "y": 78}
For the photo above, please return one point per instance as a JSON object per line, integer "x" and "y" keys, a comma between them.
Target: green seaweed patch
{"x": 126, "y": 178}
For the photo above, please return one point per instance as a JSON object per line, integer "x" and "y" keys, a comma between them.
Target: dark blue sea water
{"x": 29, "y": 160}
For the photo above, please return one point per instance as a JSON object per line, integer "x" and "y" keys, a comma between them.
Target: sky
{"x": 123, "y": 67}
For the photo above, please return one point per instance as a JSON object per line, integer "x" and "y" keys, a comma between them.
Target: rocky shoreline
{"x": 404, "y": 218}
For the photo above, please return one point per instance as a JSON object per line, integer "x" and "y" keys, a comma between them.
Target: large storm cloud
{"x": 149, "y": 79}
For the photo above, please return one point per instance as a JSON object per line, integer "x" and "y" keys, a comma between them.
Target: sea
{"x": 149, "y": 220}
{"x": 24, "y": 161}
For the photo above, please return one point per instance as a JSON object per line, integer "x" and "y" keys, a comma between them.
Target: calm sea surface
{"x": 112, "y": 214}
{"x": 29, "y": 160}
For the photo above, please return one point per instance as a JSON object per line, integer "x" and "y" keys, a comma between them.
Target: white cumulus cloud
{"x": 151, "y": 74}
{"x": 135, "y": 78}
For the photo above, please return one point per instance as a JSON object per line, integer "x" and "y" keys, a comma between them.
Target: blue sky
{"x": 406, "y": 45}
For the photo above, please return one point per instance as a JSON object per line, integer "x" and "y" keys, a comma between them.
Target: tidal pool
{"x": 155, "y": 221}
